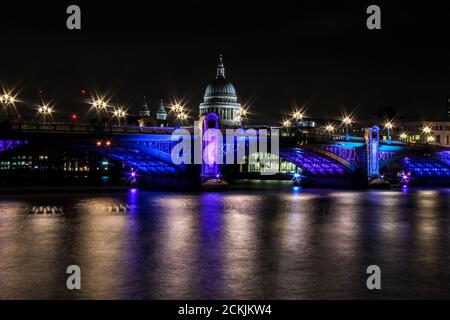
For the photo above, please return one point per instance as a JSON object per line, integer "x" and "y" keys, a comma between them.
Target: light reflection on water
{"x": 291, "y": 244}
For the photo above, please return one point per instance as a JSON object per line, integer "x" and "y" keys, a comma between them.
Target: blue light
{"x": 313, "y": 164}
{"x": 296, "y": 189}
{"x": 417, "y": 166}
{"x": 146, "y": 160}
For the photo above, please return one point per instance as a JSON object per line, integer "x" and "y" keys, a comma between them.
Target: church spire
{"x": 220, "y": 69}
{"x": 162, "y": 113}
{"x": 144, "y": 111}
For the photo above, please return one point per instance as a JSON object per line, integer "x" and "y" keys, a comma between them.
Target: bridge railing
{"x": 415, "y": 144}
{"x": 328, "y": 137}
{"x": 80, "y": 128}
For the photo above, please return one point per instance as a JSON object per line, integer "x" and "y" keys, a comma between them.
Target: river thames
{"x": 270, "y": 243}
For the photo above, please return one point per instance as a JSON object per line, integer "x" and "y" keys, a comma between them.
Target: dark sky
{"x": 278, "y": 54}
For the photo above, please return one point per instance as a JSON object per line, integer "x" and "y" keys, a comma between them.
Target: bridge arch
{"x": 144, "y": 162}
{"x": 418, "y": 166}
{"x": 312, "y": 162}
{"x": 318, "y": 163}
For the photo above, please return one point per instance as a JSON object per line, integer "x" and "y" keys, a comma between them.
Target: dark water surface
{"x": 270, "y": 244}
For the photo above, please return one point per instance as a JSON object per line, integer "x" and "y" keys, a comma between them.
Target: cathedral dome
{"x": 220, "y": 90}
{"x": 220, "y": 97}
{"x": 220, "y": 87}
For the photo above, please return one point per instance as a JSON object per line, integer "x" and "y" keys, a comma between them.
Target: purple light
{"x": 313, "y": 164}
{"x": 10, "y": 144}
{"x": 132, "y": 175}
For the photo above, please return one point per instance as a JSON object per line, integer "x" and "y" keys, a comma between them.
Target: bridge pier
{"x": 209, "y": 142}
{"x": 373, "y": 147}
{"x": 212, "y": 153}
{"x": 368, "y": 161}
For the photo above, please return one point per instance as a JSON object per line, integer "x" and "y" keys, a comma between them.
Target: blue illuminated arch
{"x": 315, "y": 164}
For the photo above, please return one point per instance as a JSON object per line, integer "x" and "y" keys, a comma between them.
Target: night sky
{"x": 314, "y": 54}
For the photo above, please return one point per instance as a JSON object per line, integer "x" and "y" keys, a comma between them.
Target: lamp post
{"x": 403, "y": 136}
{"x": 7, "y": 100}
{"x": 99, "y": 105}
{"x": 182, "y": 116}
{"x": 329, "y": 128}
{"x": 347, "y": 121}
{"x": 286, "y": 124}
{"x": 119, "y": 113}
{"x": 388, "y": 125}
{"x": 45, "y": 110}
{"x": 427, "y": 130}
{"x": 177, "y": 108}
{"x": 179, "y": 112}
{"x": 242, "y": 114}
{"x": 298, "y": 116}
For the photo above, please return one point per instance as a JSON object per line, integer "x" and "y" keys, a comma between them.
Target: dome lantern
{"x": 220, "y": 69}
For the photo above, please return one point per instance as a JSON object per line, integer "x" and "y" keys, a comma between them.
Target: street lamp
{"x": 426, "y": 130}
{"x": 177, "y": 108}
{"x": 99, "y": 105}
{"x": 403, "y": 136}
{"x": 182, "y": 116}
{"x": 297, "y": 116}
{"x": 388, "y": 125}
{"x": 179, "y": 112}
{"x": 119, "y": 113}
{"x": 347, "y": 121}
{"x": 7, "y": 99}
{"x": 329, "y": 128}
{"x": 286, "y": 123}
{"x": 239, "y": 115}
{"x": 45, "y": 111}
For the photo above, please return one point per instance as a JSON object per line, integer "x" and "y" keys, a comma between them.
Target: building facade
{"x": 439, "y": 132}
{"x": 448, "y": 108}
